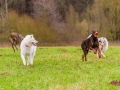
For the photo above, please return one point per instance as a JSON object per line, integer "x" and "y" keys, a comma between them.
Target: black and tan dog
{"x": 90, "y": 43}
{"x": 15, "y": 38}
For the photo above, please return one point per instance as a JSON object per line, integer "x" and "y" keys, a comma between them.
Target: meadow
{"x": 59, "y": 68}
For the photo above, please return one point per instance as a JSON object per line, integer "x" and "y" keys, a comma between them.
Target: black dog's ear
{"x": 95, "y": 30}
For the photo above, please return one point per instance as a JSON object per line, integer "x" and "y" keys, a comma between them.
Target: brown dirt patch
{"x": 115, "y": 82}
{"x": 4, "y": 73}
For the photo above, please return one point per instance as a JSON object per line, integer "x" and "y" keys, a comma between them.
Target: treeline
{"x": 60, "y": 21}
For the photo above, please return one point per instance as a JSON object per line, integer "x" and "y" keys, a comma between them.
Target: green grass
{"x": 59, "y": 68}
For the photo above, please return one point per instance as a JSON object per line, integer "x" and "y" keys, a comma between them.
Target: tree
{"x": 4, "y": 10}
{"x": 40, "y": 7}
{"x": 47, "y": 10}
{"x": 112, "y": 12}
{"x": 72, "y": 17}
{"x": 78, "y": 5}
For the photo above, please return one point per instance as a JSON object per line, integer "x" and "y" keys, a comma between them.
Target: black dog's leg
{"x": 85, "y": 51}
{"x": 83, "y": 56}
{"x": 82, "y": 46}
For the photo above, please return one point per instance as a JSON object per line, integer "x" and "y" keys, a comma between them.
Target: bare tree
{"x": 4, "y": 10}
{"x": 45, "y": 6}
{"x": 42, "y": 8}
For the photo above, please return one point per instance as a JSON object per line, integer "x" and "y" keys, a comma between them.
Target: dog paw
{"x": 27, "y": 64}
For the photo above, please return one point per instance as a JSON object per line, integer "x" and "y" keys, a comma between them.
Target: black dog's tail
{"x": 83, "y": 44}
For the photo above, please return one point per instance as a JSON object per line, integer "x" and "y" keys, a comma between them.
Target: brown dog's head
{"x": 95, "y": 32}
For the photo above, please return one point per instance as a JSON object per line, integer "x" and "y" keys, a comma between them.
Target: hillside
{"x": 60, "y": 21}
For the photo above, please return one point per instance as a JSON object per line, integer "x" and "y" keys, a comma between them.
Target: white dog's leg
{"x": 23, "y": 59}
{"x": 97, "y": 54}
{"x": 28, "y": 62}
{"x": 102, "y": 54}
{"x": 31, "y": 60}
{"x": 33, "y": 50}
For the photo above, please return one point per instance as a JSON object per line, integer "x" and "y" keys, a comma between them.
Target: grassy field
{"x": 59, "y": 68}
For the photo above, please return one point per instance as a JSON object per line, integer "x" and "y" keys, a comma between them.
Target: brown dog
{"x": 90, "y": 43}
{"x": 15, "y": 38}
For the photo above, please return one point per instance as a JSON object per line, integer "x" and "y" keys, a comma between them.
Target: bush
{"x": 24, "y": 25}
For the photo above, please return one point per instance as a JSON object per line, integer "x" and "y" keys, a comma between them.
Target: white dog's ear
{"x": 31, "y": 35}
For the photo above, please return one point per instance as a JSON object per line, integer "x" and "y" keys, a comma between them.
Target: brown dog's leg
{"x": 13, "y": 47}
{"x": 12, "y": 43}
{"x": 15, "y": 44}
{"x": 16, "y": 47}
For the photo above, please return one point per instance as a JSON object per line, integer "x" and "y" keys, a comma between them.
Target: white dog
{"x": 28, "y": 48}
{"x": 103, "y": 45}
